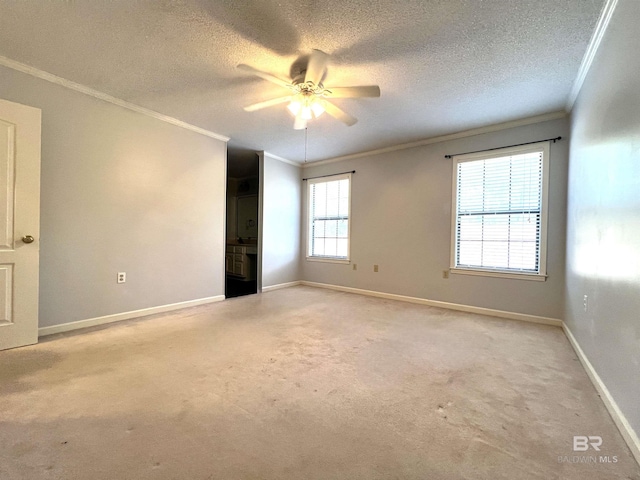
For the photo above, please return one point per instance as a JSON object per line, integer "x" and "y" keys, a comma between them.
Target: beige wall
{"x": 281, "y": 222}
{"x": 603, "y": 243}
{"x": 401, "y": 220}
{"x": 122, "y": 192}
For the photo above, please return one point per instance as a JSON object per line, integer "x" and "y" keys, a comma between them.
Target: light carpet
{"x": 304, "y": 383}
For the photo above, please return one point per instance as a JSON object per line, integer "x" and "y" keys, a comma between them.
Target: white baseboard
{"x": 92, "y": 322}
{"x": 629, "y": 435}
{"x": 281, "y": 285}
{"x": 436, "y": 303}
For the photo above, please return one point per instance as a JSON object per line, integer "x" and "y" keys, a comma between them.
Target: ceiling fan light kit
{"x": 309, "y": 96}
{"x": 306, "y": 106}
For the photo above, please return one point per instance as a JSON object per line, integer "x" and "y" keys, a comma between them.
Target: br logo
{"x": 582, "y": 443}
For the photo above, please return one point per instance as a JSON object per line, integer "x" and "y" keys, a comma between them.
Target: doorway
{"x": 242, "y": 257}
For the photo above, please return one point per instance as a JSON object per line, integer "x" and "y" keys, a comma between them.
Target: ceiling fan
{"x": 308, "y": 97}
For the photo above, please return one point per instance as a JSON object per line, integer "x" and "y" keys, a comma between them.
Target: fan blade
{"x": 300, "y": 123}
{"x": 267, "y": 103}
{"x": 335, "y": 112}
{"x": 316, "y": 67}
{"x": 354, "y": 92}
{"x": 264, "y": 75}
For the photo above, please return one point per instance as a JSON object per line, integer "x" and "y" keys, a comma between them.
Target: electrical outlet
{"x": 585, "y": 303}
{"x": 445, "y": 273}
{"x": 375, "y": 268}
{"x": 122, "y": 277}
{"x": 355, "y": 267}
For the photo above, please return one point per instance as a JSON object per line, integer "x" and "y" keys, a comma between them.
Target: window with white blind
{"x": 329, "y": 205}
{"x": 499, "y": 224}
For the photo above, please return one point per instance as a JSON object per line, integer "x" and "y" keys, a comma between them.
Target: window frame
{"x": 541, "y": 275}
{"x": 309, "y": 220}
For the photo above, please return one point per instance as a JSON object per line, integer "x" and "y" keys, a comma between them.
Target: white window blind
{"x": 499, "y": 223}
{"x": 329, "y": 205}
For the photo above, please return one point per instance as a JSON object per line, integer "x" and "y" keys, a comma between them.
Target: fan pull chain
{"x": 305, "y": 144}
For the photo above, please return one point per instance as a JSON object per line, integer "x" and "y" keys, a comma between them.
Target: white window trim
{"x": 499, "y": 273}
{"x": 317, "y": 258}
{"x": 541, "y": 276}
{"x": 328, "y": 260}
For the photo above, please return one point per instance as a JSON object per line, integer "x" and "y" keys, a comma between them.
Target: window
{"x": 329, "y": 205}
{"x": 499, "y": 225}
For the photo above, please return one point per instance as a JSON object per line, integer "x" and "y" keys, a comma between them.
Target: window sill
{"x": 329, "y": 260}
{"x": 501, "y": 274}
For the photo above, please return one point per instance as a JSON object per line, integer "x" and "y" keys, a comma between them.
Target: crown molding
{"x": 444, "y": 138}
{"x": 282, "y": 159}
{"x": 589, "y": 55}
{"x": 49, "y": 77}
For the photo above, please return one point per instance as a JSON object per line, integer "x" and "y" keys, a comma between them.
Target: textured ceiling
{"x": 442, "y": 66}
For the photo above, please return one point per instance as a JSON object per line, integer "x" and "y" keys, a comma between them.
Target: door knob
{"x": 27, "y": 239}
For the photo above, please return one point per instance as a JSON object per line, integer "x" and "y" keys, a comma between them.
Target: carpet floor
{"x": 304, "y": 383}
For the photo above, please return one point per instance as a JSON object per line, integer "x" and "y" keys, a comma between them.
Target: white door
{"x": 19, "y": 223}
